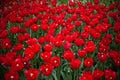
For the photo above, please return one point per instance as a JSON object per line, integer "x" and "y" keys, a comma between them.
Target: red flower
{"x": 98, "y": 74}
{"x": 70, "y": 19}
{"x": 117, "y": 26}
{"x": 68, "y": 55}
{"x": 14, "y": 30}
{"x": 3, "y": 33}
{"x": 41, "y": 40}
{"x": 53, "y": 25}
{"x": 87, "y": 28}
{"x": 117, "y": 61}
{"x": 11, "y": 75}
{"x": 113, "y": 54}
{"x": 85, "y": 35}
{"x": 8, "y": 58}
{"x": 105, "y": 20}
{"x": 58, "y": 42}
{"x": 86, "y": 76}
{"x": 26, "y": 62}
{"x": 88, "y": 62}
{"x": 46, "y": 69}
{"x": 70, "y": 27}
{"x": 103, "y": 48}
{"x": 69, "y": 38}
{"x": 3, "y": 23}
{"x": 82, "y": 53}
{"x": 17, "y": 64}
{"x": 99, "y": 28}
{"x": 117, "y": 39}
{"x": 110, "y": 75}
{"x": 31, "y": 41}
{"x": 31, "y": 74}
{"x": 75, "y": 64}
{"x": 90, "y": 47}
{"x": 47, "y": 37}
{"x": 46, "y": 56}
{"x": 79, "y": 42}
{"x": 95, "y": 34}
{"x": 34, "y": 27}
{"x": 35, "y": 48}
{"x": 65, "y": 31}
{"x": 48, "y": 47}
{"x": 12, "y": 17}
{"x": 19, "y": 19}
{"x": 60, "y": 36}
{"x": 77, "y": 23}
{"x": 112, "y": 6}
{"x": 6, "y": 43}
{"x": 105, "y": 27}
{"x": 29, "y": 53}
{"x": 18, "y": 47}
{"x": 27, "y": 36}
{"x": 55, "y": 61}
{"x": 75, "y": 35}
{"x": 96, "y": 1}
{"x": 51, "y": 31}
{"x": 74, "y": 16}
{"x": 94, "y": 22}
{"x": 21, "y": 37}
{"x": 44, "y": 27}
{"x": 28, "y": 23}
{"x": 67, "y": 45}
{"x": 72, "y": 4}
{"x": 85, "y": 18}
{"x": 107, "y": 39}
{"x": 54, "y": 2}
{"x": 102, "y": 57}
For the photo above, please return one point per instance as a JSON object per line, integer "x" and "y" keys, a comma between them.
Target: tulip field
{"x": 59, "y": 40}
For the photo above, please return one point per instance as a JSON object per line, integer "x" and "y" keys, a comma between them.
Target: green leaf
{"x": 54, "y": 75}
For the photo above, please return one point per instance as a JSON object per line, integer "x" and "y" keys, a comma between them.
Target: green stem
{"x": 74, "y": 75}
{"x": 80, "y": 69}
{"x": 102, "y": 66}
{"x": 58, "y": 73}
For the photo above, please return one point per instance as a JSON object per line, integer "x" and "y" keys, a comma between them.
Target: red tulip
{"x": 75, "y": 64}
{"x": 46, "y": 69}
{"x": 11, "y": 75}
{"x": 88, "y": 62}
{"x": 31, "y": 74}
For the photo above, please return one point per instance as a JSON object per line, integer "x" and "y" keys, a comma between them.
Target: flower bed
{"x": 50, "y": 40}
